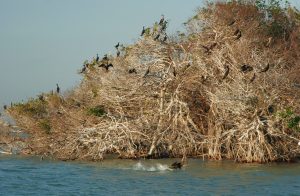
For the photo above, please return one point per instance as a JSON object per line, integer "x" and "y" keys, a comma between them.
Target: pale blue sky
{"x": 44, "y": 42}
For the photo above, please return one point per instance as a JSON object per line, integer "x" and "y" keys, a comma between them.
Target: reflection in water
{"x": 32, "y": 176}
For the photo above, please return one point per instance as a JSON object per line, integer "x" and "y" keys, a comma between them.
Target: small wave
{"x": 157, "y": 167}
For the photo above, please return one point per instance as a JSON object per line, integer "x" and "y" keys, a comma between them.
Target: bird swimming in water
{"x": 162, "y": 20}
{"x": 117, "y": 46}
{"x": 143, "y": 31}
{"x": 57, "y": 89}
{"x": 97, "y": 58}
{"x": 246, "y": 68}
{"x": 265, "y": 69}
{"x": 226, "y": 72}
{"x": 176, "y": 165}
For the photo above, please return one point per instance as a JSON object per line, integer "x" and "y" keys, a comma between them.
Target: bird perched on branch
{"x": 117, "y": 46}
{"x": 107, "y": 66}
{"x": 143, "y": 31}
{"x": 105, "y": 58}
{"x": 133, "y": 70}
{"x": 83, "y": 69}
{"x": 246, "y": 68}
{"x": 265, "y": 69}
{"x": 57, "y": 89}
{"x": 157, "y": 37}
{"x": 162, "y": 20}
{"x": 97, "y": 58}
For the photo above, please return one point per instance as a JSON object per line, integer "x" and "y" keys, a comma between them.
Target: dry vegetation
{"x": 226, "y": 89}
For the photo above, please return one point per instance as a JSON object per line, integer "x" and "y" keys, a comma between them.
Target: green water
{"x": 32, "y": 176}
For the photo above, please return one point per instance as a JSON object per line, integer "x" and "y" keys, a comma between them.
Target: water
{"x": 32, "y": 176}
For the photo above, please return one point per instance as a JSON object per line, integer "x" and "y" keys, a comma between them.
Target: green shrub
{"x": 35, "y": 108}
{"x": 291, "y": 119}
{"x": 97, "y": 111}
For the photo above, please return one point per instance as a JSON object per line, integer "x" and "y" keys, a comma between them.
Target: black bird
{"x": 102, "y": 65}
{"x": 164, "y": 25}
{"x": 83, "y": 69}
{"x": 97, "y": 58}
{"x": 162, "y": 20}
{"x": 133, "y": 70}
{"x": 176, "y": 165}
{"x": 252, "y": 79}
{"x": 238, "y": 34}
{"x": 143, "y": 31}
{"x": 57, "y": 89}
{"x": 5, "y": 107}
{"x": 156, "y": 38}
{"x": 105, "y": 58}
{"x": 265, "y": 69}
{"x": 165, "y": 39}
{"x": 108, "y": 66}
{"x": 246, "y": 68}
{"x": 117, "y": 46}
{"x": 226, "y": 72}
{"x": 41, "y": 97}
{"x": 271, "y": 109}
{"x": 118, "y": 53}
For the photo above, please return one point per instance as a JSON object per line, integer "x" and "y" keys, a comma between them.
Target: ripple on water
{"x": 31, "y": 176}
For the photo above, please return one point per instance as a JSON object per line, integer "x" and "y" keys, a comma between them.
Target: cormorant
{"x": 165, "y": 38}
{"x": 117, "y": 46}
{"x": 162, "y": 20}
{"x": 105, "y": 58}
{"x": 265, "y": 69}
{"x": 97, "y": 58}
{"x": 246, "y": 68}
{"x": 57, "y": 89}
{"x": 109, "y": 65}
{"x": 83, "y": 69}
{"x": 133, "y": 70}
{"x": 5, "y": 107}
{"x": 226, "y": 72}
{"x": 156, "y": 38}
{"x": 143, "y": 31}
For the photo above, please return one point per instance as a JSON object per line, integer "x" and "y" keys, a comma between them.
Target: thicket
{"x": 227, "y": 88}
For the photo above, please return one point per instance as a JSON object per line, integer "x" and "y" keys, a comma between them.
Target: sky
{"x": 44, "y": 42}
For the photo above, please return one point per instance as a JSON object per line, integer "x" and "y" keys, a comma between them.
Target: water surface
{"x": 32, "y": 176}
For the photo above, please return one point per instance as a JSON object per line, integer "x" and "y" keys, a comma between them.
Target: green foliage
{"x": 292, "y": 120}
{"x": 34, "y": 108}
{"x": 45, "y": 125}
{"x": 97, "y": 111}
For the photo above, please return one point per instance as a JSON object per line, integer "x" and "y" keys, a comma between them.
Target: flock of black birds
{"x": 160, "y": 34}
